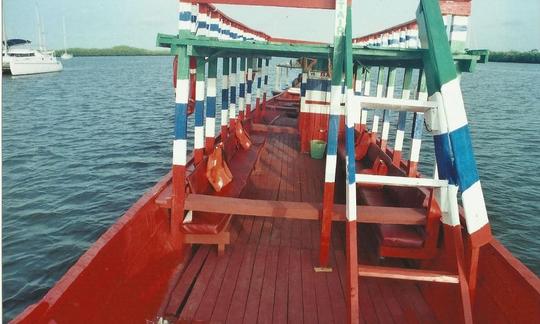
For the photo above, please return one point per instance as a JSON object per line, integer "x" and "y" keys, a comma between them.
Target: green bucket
{"x": 317, "y": 149}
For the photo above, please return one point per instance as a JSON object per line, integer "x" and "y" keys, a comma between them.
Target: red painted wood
{"x": 266, "y": 304}
{"x": 188, "y": 277}
{"x": 279, "y": 314}
{"x": 311, "y": 4}
{"x": 295, "y": 296}
{"x": 197, "y": 293}
{"x": 241, "y": 289}
{"x": 309, "y": 298}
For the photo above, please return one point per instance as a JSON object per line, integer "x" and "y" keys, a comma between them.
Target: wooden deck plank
{"x": 254, "y": 293}
{"x": 309, "y": 298}
{"x": 206, "y": 308}
{"x": 379, "y": 303}
{"x": 391, "y": 302}
{"x": 181, "y": 289}
{"x": 337, "y": 297}
{"x": 294, "y": 305}
{"x": 266, "y": 303}
{"x": 226, "y": 291}
{"x": 241, "y": 289}
{"x": 324, "y": 303}
{"x": 197, "y": 293}
{"x": 279, "y": 314}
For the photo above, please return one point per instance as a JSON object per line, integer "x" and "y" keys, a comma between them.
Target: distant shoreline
{"x": 532, "y": 56}
{"x": 515, "y": 56}
{"x": 121, "y": 50}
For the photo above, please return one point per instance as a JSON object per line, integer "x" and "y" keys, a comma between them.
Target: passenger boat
{"x": 19, "y": 59}
{"x": 249, "y": 228}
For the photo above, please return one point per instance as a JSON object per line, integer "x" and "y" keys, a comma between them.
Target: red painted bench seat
{"x": 408, "y": 241}
{"x": 241, "y": 163}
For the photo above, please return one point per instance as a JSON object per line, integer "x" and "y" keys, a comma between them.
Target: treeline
{"x": 515, "y": 56}
{"x": 121, "y": 50}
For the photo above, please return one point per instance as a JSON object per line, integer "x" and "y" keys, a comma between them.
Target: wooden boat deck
{"x": 267, "y": 273}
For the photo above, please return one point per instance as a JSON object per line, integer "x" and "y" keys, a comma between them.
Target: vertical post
{"x": 211, "y": 105}
{"x": 180, "y": 144}
{"x": 232, "y": 85}
{"x": 249, "y": 86}
{"x": 351, "y": 229}
{"x": 391, "y": 80}
{"x": 418, "y": 124}
{"x": 224, "y": 98}
{"x": 367, "y": 90}
{"x": 379, "y": 94}
{"x": 198, "y": 152}
{"x": 259, "y": 89}
{"x": 277, "y": 80}
{"x": 400, "y": 133}
{"x": 265, "y": 87}
{"x": 303, "y": 115}
{"x": 357, "y": 111}
{"x": 242, "y": 89}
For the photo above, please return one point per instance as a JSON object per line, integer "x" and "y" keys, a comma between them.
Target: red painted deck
{"x": 267, "y": 275}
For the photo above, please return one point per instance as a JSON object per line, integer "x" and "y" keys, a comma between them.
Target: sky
{"x": 494, "y": 24}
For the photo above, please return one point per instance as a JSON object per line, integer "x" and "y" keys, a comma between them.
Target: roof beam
{"x": 306, "y": 4}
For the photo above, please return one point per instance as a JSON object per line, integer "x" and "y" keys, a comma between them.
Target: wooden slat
{"x": 396, "y": 104}
{"x": 399, "y": 181}
{"x": 188, "y": 277}
{"x": 407, "y": 274}
{"x": 274, "y": 129}
{"x": 302, "y": 210}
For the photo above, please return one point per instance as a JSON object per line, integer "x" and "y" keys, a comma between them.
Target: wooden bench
{"x": 208, "y": 227}
{"x": 397, "y": 240}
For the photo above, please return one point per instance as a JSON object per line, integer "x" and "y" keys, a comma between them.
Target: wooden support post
{"x": 210, "y": 124}
{"x": 400, "y": 133}
{"x": 418, "y": 125}
{"x": 391, "y": 80}
{"x": 225, "y": 98}
{"x": 265, "y": 87}
{"x": 198, "y": 149}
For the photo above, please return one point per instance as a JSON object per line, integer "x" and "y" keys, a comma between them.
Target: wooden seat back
{"x": 197, "y": 180}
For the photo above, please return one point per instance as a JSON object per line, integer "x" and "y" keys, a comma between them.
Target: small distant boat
{"x": 65, "y": 55}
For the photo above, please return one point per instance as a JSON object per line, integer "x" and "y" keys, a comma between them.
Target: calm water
{"x": 79, "y": 147}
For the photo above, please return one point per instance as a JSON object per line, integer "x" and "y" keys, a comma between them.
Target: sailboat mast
{"x": 41, "y": 37}
{"x": 64, "y": 28}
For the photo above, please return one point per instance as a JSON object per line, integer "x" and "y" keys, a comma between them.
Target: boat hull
{"x": 23, "y": 66}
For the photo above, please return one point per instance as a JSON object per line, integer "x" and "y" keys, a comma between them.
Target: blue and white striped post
{"x": 418, "y": 125}
{"x": 357, "y": 112}
{"x": 402, "y": 119}
{"x": 453, "y": 136}
{"x": 225, "y": 98}
{"x": 198, "y": 152}
{"x": 249, "y": 86}
{"x": 242, "y": 89}
{"x": 184, "y": 16}
{"x": 367, "y": 91}
{"x": 232, "y": 97}
{"x": 379, "y": 94}
{"x": 211, "y": 92}
{"x": 259, "y": 89}
{"x": 265, "y": 86}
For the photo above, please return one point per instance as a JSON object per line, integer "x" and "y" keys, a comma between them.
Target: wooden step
{"x": 407, "y": 274}
{"x": 396, "y": 104}
{"x": 400, "y": 181}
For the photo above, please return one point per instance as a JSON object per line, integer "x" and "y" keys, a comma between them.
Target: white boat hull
{"x": 19, "y": 67}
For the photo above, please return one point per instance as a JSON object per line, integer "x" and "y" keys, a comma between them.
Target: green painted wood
{"x": 201, "y": 65}
{"x": 212, "y": 67}
{"x": 439, "y": 64}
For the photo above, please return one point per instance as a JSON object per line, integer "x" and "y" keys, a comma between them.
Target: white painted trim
{"x": 182, "y": 91}
{"x": 179, "y": 152}
{"x": 474, "y": 207}
{"x": 198, "y": 137}
{"x": 211, "y": 87}
{"x": 400, "y": 181}
{"x": 399, "y": 140}
{"x": 396, "y": 104}
{"x": 330, "y": 169}
{"x": 210, "y": 127}
{"x": 415, "y": 149}
{"x": 199, "y": 90}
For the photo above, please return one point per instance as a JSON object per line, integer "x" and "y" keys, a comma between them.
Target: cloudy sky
{"x": 495, "y": 24}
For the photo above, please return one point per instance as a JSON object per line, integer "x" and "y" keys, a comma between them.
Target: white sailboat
{"x": 66, "y": 55}
{"x": 19, "y": 59}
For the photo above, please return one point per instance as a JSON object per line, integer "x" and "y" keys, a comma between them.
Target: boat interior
{"x": 297, "y": 208}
